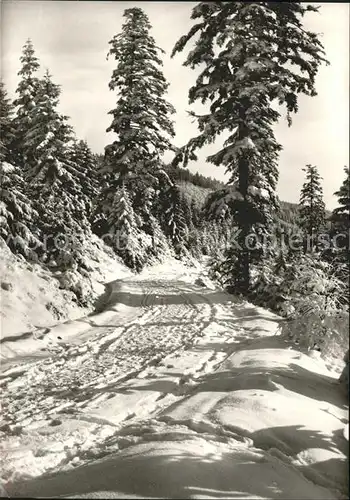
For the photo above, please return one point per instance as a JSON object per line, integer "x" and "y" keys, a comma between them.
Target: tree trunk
{"x": 243, "y": 280}
{"x": 243, "y": 269}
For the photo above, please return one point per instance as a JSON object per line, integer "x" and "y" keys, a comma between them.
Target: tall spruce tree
{"x": 25, "y": 102}
{"x": 340, "y": 231}
{"x": 122, "y": 222}
{"x": 174, "y": 216}
{"x": 54, "y": 182}
{"x": 46, "y": 139}
{"x": 141, "y": 116}
{"x": 312, "y": 210}
{"x": 253, "y": 54}
{"x": 141, "y": 121}
{"x": 18, "y": 218}
{"x": 7, "y": 129}
{"x": 341, "y": 214}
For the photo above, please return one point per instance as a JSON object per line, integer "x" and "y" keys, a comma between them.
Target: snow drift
{"x": 211, "y": 402}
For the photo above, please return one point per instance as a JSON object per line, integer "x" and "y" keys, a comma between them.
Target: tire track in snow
{"x": 173, "y": 316}
{"x": 134, "y": 329}
{"x": 77, "y": 373}
{"x": 153, "y": 313}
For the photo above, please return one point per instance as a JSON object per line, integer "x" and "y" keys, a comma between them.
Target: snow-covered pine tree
{"x": 25, "y": 102}
{"x": 253, "y": 54}
{"x": 141, "y": 118}
{"x": 54, "y": 182}
{"x": 340, "y": 231}
{"x": 85, "y": 162}
{"x": 173, "y": 221}
{"x": 219, "y": 205}
{"x": 6, "y": 126}
{"x": 17, "y": 216}
{"x": 46, "y": 139}
{"x": 122, "y": 223}
{"x": 312, "y": 209}
{"x": 341, "y": 214}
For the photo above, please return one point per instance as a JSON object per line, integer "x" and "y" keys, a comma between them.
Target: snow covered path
{"x": 173, "y": 391}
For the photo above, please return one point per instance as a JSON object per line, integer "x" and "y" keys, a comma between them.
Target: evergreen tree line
{"x": 309, "y": 284}
{"x": 55, "y": 191}
{"x": 326, "y": 235}
{"x": 48, "y": 176}
{"x": 251, "y": 56}
{"x": 184, "y": 175}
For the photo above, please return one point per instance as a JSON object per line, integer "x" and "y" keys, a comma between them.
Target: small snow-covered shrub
{"x": 205, "y": 282}
{"x": 315, "y": 294}
{"x": 134, "y": 249}
{"x": 315, "y": 327}
{"x": 306, "y": 291}
{"x": 80, "y": 285}
{"x": 269, "y": 286}
{"x": 218, "y": 269}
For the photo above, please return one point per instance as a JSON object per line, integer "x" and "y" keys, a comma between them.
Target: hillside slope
{"x": 194, "y": 193}
{"x": 33, "y": 298}
{"x": 288, "y": 211}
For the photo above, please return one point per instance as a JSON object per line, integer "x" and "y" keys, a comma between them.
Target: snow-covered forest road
{"x": 173, "y": 390}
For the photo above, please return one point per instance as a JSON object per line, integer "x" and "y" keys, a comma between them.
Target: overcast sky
{"x": 71, "y": 40}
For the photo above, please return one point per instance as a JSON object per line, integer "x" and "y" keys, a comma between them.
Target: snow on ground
{"x": 175, "y": 390}
{"x": 30, "y": 296}
{"x": 31, "y": 300}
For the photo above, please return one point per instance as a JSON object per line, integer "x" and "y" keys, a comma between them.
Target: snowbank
{"x": 233, "y": 412}
{"x": 190, "y": 467}
{"x": 30, "y": 297}
{"x": 33, "y": 301}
